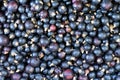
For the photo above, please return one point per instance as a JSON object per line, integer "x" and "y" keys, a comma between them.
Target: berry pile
{"x": 59, "y": 39}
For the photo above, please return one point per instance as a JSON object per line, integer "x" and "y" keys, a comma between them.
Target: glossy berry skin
{"x": 90, "y": 58}
{"x": 102, "y": 35}
{"x": 117, "y": 67}
{"x": 91, "y": 75}
{"x": 76, "y": 53}
{"x": 55, "y": 3}
{"x": 89, "y": 27}
{"x": 81, "y": 26}
{"x": 100, "y": 73}
{"x": 62, "y": 9}
{"x": 34, "y": 62}
{"x": 12, "y": 6}
{"x": 20, "y": 67}
{"x": 22, "y": 2}
{"x": 68, "y": 74}
{"x": 108, "y": 77}
{"x": 44, "y": 41}
{"x": 97, "y": 52}
{"x": 108, "y": 57}
{"x": 29, "y": 24}
{"x": 72, "y": 17}
{"x": 116, "y": 16}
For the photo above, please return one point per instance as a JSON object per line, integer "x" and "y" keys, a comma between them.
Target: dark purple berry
{"x": 53, "y": 47}
{"x": 82, "y": 77}
{"x": 12, "y": 6}
{"x": 77, "y": 5}
{"x": 16, "y": 76}
{"x": 68, "y": 74}
{"x": 29, "y": 69}
{"x": 117, "y": 52}
{"x": 34, "y": 62}
{"x": 61, "y": 54}
{"x": 44, "y": 41}
{"x": 106, "y": 4}
{"x": 4, "y": 40}
{"x": 29, "y": 25}
{"x": 43, "y": 14}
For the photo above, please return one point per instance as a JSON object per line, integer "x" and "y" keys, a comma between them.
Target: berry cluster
{"x": 59, "y": 39}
